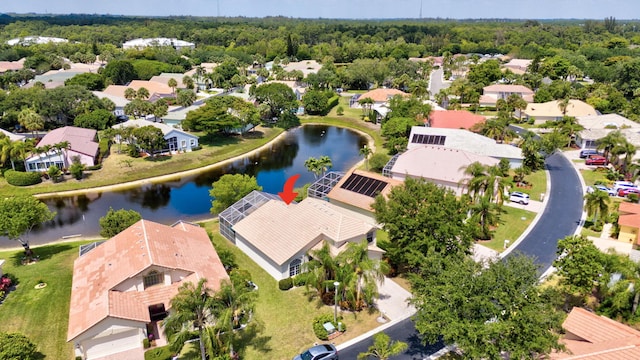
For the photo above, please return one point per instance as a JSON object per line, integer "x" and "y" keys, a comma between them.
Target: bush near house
{"x": 318, "y": 325}
{"x": 285, "y": 284}
{"x": 18, "y": 178}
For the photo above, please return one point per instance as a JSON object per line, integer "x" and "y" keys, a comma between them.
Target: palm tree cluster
{"x": 318, "y": 166}
{"x": 620, "y": 152}
{"x": 486, "y": 186}
{"x": 214, "y": 315}
{"x": 597, "y": 206}
{"x": 357, "y": 274}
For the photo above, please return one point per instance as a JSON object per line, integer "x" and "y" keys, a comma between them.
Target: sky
{"x": 340, "y": 9}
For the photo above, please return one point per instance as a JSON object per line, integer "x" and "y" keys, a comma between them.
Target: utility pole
{"x": 420, "y": 9}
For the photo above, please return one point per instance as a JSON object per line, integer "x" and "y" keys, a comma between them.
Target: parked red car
{"x": 628, "y": 190}
{"x": 596, "y": 160}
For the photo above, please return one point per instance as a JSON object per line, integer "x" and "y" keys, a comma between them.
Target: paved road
{"x": 436, "y": 83}
{"x": 561, "y": 218}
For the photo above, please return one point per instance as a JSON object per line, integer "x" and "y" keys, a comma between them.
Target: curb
{"x": 374, "y": 331}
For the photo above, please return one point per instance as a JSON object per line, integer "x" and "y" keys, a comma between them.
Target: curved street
{"x": 560, "y": 218}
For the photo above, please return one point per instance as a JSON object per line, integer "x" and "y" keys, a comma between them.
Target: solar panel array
{"x": 428, "y": 139}
{"x": 364, "y": 185}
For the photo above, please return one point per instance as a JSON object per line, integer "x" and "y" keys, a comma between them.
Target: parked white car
{"x": 609, "y": 191}
{"x": 519, "y": 197}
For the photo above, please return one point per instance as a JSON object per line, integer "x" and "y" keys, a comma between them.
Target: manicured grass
{"x": 589, "y": 232}
{"x": 538, "y": 182}
{"x": 510, "y": 228}
{"x": 42, "y": 315}
{"x": 116, "y": 171}
{"x": 592, "y": 176}
{"x": 284, "y": 316}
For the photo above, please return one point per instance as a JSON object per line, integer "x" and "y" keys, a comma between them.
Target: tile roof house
{"x": 492, "y": 93}
{"x": 464, "y": 140}
{"x": 278, "y": 236}
{"x": 592, "y": 337}
{"x": 598, "y": 126}
{"x": 11, "y": 65}
{"x": 154, "y": 88}
{"x": 177, "y": 140}
{"x": 518, "y": 66}
{"x": 453, "y": 119}
{"x": 122, "y": 287}
{"x": 119, "y": 101}
{"x": 12, "y": 136}
{"x": 382, "y": 96}
{"x": 306, "y": 66}
{"x": 82, "y": 143}
{"x": 350, "y": 195}
{"x": 629, "y": 223}
{"x": 550, "y": 111}
{"x": 437, "y": 164}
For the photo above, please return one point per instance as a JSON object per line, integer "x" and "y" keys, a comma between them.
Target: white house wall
{"x": 110, "y": 336}
{"x": 259, "y": 258}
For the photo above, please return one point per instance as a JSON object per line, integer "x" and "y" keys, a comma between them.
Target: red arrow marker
{"x": 287, "y": 195}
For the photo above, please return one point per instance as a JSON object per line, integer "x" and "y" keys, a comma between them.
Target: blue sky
{"x": 369, "y": 9}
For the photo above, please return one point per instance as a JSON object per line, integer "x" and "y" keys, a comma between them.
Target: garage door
{"x": 111, "y": 344}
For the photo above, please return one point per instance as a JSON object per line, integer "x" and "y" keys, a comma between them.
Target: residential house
{"x": 122, "y": 289}
{"x": 12, "y": 136}
{"x": 119, "y": 101}
{"x": 436, "y": 61}
{"x": 454, "y": 119}
{"x": 589, "y": 336}
{"x": 11, "y": 65}
{"x": 298, "y": 89}
{"x": 54, "y": 78}
{"x": 165, "y": 77}
{"x": 437, "y": 164}
{"x": 157, "y": 89}
{"x": 517, "y": 66}
{"x": 175, "y": 117}
{"x": 31, "y": 40}
{"x": 551, "y": 111}
{"x": 278, "y": 236}
{"x": 629, "y": 222}
{"x": 379, "y": 96}
{"x": 177, "y": 140}
{"x": 356, "y": 191}
{"x": 306, "y": 66}
{"x": 149, "y": 42}
{"x": 492, "y": 93}
{"x": 598, "y": 126}
{"x": 83, "y": 144}
{"x": 464, "y": 140}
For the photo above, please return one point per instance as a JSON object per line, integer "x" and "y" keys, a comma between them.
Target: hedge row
{"x": 19, "y": 178}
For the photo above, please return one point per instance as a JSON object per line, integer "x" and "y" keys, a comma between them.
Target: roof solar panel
{"x": 364, "y": 185}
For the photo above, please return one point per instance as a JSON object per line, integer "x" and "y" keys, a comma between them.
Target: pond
{"x": 188, "y": 198}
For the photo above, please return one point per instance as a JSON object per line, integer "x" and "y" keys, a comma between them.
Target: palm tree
{"x": 485, "y": 213}
{"x": 190, "y": 308}
{"x": 626, "y": 148}
{"x": 476, "y": 183}
{"x": 142, "y": 93}
{"x": 129, "y": 94}
{"x": 187, "y": 81}
{"x": 383, "y": 348}
{"x": 609, "y": 142}
{"x": 173, "y": 84}
{"x": 365, "y": 152}
{"x": 597, "y": 203}
{"x": 320, "y": 271}
{"x": 31, "y": 120}
{"x": 563, "y": 105}
{"x": 20, "y": 149}
{"x": 325, "y": 164}
{"x": 61, "y": 148}
{"x": 368, "y": 273}
{"x": 6, "y": 146}
{"x": 366, "y": 104}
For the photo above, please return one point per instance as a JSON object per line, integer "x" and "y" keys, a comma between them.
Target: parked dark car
{"x": 586, "y": 152}
{"x": 322, "y": 351}
{"x": 596, "y": 160}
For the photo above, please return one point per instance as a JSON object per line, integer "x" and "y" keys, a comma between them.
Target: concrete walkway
{"x": 392, "y": 301}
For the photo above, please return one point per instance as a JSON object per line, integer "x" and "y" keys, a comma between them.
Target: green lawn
{"x": 538, "y": 182}
{"x": 510, "y": 228}
{"x": 592, "y": 176}
{"x": 42, "y": 315}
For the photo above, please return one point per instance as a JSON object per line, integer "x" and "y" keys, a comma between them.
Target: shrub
{"x": 318, "y": 325}
{"x": 377, "y": 162}
{"x": 146, "y": 343}
{"x": 333, "y": 101}
{"x": 94, "y": 167}
{"x": 159, "y": 353}
{"x": 633, "y": 197}
{"x": 77, "y": 168}
{"x": 299, "y": 280}
{"x": 103, "y": 147}
{"x": 19, "y": 178}
{"x": 132, "y": 150}
{"x": 340, "y": 110}
{"x": 285, "y": 284}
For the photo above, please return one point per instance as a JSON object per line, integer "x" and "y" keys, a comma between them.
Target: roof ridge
{"x": 146, "y": 240}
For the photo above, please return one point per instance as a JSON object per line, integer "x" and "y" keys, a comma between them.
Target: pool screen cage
{"x": 321, "y": 187}
{"x": 386, "y": 171}
{"x": 238, "y": 211}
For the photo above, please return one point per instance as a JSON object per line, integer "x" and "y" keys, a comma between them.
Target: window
{"x": 183, "y": 143}
{"x": 294, "y": 267}
{"x": 370, "y": 236}
{"x": 193, "y": 142}
{"x": 153, "y": 278}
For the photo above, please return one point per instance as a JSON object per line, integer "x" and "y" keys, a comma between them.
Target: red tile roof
{"x": 181, "y": 248}
{"x": 454, "y": 119}
{"x": 593, "y": 337}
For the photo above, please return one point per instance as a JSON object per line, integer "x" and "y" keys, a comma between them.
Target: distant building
{"x": 31, "y": 40}
{"x": 550, "y": 111}
{"x": 598, "y": 126}
{"x": 517, "y": 66}
{"x": 492, "y": 93}
{"x": 143, "y": 43}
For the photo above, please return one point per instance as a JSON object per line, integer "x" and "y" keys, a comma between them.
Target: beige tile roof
{"x": 595, "y": 122}
{"x": 507, "y": 88}
{"x": 593, "y": 337}
{"x": 280, "y": 231}
{"x": 438, "y": 163}
{"x": 550, "y": 109}
{"x": 358, "y": 200}
{"x": 181, "y": 246}
{"x": 152, "y": 86}
{"x": 382, "y": 95}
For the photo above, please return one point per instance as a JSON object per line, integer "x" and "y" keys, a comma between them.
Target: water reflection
{"x": 188, "y": 198}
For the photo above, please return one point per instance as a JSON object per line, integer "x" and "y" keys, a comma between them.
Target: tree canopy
{"x": 19, "y": 214}
{"x": 117, "y": 220}
{"x": 16, "y": 346}
{"x": 222, "y": 114}
{"x": 231, "y": 188}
